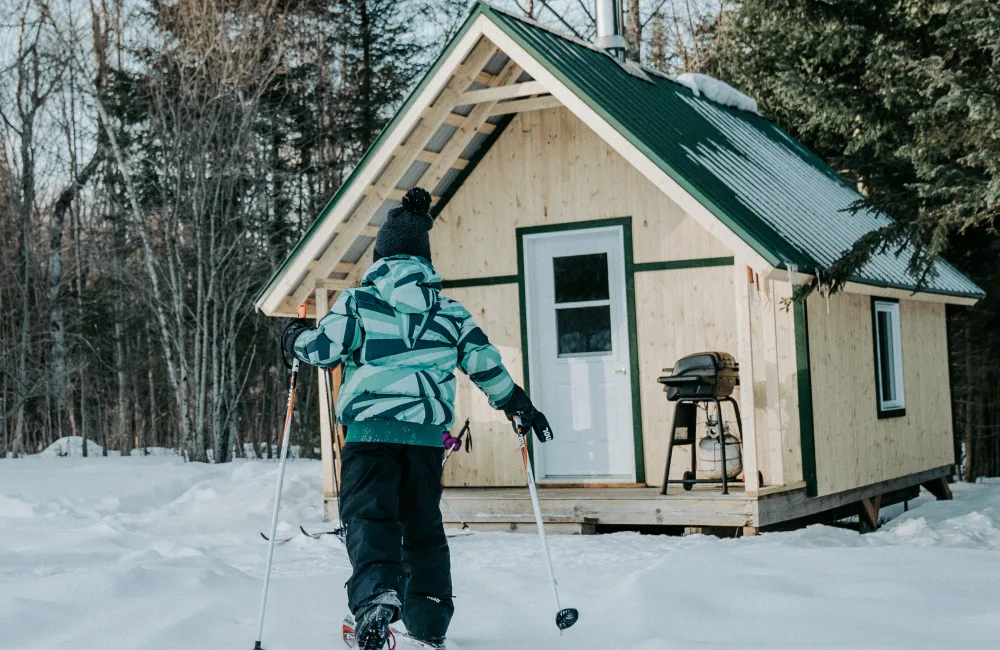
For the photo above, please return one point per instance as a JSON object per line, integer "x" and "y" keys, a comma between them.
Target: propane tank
{"x": 710, "y": 451}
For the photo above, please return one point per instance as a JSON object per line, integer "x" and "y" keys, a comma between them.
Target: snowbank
{"x": 71, "y": 446}
{"x": 717, "y": 91}
{"x": 173, "y": 548}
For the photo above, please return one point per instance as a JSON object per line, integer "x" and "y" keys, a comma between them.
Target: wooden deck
{"x": 623, "y": 506}
{"x": 579, "y": 509}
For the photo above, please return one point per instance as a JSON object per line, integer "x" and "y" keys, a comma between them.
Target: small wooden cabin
{"x": 601, "y": 221}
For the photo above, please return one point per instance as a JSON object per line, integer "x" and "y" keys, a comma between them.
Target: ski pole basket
{"x": 706, "y": 378}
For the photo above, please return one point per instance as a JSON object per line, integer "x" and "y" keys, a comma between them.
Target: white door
{"x": 579, "y": 354}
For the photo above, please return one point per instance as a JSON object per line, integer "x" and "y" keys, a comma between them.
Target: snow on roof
{"x": 717, "y": 91}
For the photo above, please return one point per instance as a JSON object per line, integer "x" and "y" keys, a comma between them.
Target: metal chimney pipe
{"x": 609, "y": 27}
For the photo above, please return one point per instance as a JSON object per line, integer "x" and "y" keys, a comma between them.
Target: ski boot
{"x": 372, "y": 630}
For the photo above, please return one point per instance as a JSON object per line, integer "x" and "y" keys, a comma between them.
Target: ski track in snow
{"x": 137, "y": 553}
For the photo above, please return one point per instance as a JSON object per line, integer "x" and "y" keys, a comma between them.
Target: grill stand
{"x": 693, "y": 439}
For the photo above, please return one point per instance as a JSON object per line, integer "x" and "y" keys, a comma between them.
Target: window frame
{"x": 578, "y": 304}
{"x": 897, "y": 407}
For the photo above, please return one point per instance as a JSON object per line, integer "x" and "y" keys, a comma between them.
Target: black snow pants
{"x": 390, "y": 498}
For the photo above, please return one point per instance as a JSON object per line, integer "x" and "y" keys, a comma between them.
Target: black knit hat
{"x": 406, "y": 228}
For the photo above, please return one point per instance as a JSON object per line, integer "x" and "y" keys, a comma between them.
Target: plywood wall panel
{"x": 853, "y": 447}
{"x": 495, "y": 459}
{"x": 788, "y": 389}
{"x": 548, "y": 167}
{"x": 779, "y": 453}
{"x": 679, "y": 312}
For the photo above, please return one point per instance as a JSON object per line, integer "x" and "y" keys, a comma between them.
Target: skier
{"x": 400, "y": 342}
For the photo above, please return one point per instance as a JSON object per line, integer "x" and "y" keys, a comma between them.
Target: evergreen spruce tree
{"x": 902, "y": 97}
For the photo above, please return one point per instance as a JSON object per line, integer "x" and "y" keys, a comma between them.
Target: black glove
{"x": 292, "y": 331}
{"x": 531, "y": 418}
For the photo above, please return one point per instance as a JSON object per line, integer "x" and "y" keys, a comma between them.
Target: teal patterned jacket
{"x": 400, "y": 342}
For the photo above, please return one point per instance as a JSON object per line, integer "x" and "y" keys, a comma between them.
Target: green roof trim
{"x": 769, "y": 189}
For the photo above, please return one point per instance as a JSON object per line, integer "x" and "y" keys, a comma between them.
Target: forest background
{"x": 158, "y": 160}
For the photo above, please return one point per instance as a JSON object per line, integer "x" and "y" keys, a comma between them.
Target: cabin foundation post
{"x": 868, "y": 513}
{"x": 325, "y": 429}
{"x": 939, "y": 488}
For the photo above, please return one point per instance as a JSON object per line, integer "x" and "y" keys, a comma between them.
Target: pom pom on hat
{"x": 417, "y": 200}
{"x": 406, "y": 228}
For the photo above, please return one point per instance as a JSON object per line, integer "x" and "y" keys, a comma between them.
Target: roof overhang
{"x": 879, "y": 291}
{"x": 321, "y": 252}
{"x": 485, "y": 72}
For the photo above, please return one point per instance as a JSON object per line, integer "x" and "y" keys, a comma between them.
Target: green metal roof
{"x": 767, "y": 187}
{"x": 778, "y": 196}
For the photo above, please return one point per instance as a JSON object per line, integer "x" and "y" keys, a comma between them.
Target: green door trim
{"x": 676, "y": 265}
{"x": 626, "y": 225}
{"x": 804, "y": 375}
{"x": 487, "y": 281}
{"x": 637, "y": 267}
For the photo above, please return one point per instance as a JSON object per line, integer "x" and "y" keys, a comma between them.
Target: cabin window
{"x": 888, "y": 358}
{"x": 583, "y": 305}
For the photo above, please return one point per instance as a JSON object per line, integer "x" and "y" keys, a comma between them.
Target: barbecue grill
{"x": 704, "y": 378}
{"x": 706, "y": 374}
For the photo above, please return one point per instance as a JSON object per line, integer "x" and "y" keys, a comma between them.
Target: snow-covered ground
{"x": 152, "y": 553}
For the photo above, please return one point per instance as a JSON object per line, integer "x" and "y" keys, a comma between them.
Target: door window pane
{"x": 581, "y": 277}
{"x": 582, "y": 330}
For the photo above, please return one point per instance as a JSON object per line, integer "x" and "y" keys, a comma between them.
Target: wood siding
{"x": 853, "y": 447}
{"x": 495, "y": 459}
{"x": 679, "y": 312}
{"x": 549, "y": 168}
{"x": 775, "y": 378}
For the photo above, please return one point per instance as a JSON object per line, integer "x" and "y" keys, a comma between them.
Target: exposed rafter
{"x": 341, "y": 267}
{"x": 431, "y": 156}
{"x": 370, "y": 231}
{"x": 497, "y": 93}
{"x": 449, "y": 155}
{"x": 525, "y": 105}
{"x": 456, "y": 119}
{"x": 403, "y": 158}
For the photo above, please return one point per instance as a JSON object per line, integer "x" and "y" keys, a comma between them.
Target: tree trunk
{"x": 152, "y": 408}
{"x": 57, "y": 321}
{"x": 123, "y": 426}
{"x": 27, "y": 201}
{"x": 78, "y": 258}
{"x": 368, "y": 119}
{"x": 970, "y": 439}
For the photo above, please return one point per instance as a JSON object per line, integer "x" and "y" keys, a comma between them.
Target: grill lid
{"x": 705, "y": 374}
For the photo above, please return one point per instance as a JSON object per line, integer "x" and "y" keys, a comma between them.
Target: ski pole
{"x": 328, "y": 387}
{"x": 447, "y": 455}
{"x": 277, "y": 490}
{"x": 564, "y": 617}
{"x": 461, "y": 434}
